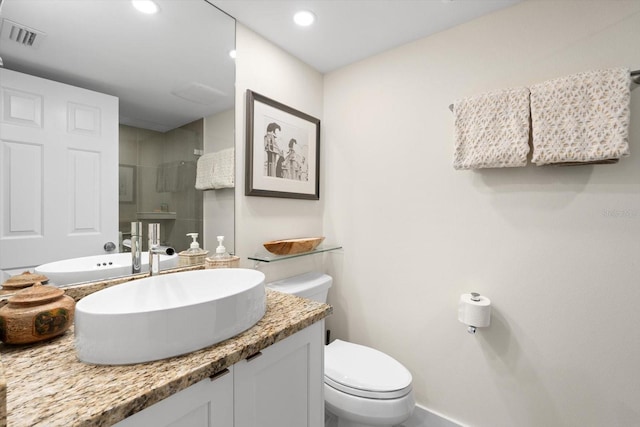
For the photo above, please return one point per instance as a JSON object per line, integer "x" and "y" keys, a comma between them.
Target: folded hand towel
{"x": 492, "y": 130}
{"x": 168, "y": 177}
{"x": 204, "y": 172}
{"x": 216, "y": 170}
{"x": 223, "y": 168}
{"x": 582, "y": 118}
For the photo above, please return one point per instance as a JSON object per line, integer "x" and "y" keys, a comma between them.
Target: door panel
{"x": 59, "y": 178}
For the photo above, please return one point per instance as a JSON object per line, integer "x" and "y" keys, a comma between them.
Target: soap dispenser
{"x": 195, "y": 255}
{"x": 194, "y": 248}
{"x": 222, "y": 259}
{"x": 221, "y": 251}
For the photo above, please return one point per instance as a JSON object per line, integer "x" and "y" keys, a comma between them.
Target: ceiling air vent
{"x": 21, "y": 34}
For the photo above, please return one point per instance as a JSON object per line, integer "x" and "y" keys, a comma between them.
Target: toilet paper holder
{"x": 474, "y": 311}
{"x": 474, "y": 297}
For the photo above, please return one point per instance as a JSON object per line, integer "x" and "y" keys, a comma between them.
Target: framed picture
{"x": 283, "y": 150}
{"x": 127, "y": 184}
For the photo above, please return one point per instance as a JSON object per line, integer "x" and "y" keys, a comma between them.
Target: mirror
{"x": 174, "y": 79}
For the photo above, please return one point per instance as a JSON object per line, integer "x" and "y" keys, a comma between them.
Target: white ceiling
{"x": 152, "y": 63}
{"x": 349, "y": 30}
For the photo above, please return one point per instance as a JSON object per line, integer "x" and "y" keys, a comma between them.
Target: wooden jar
{"x": 24, "y": 280}
{"x": 35, "y": 314}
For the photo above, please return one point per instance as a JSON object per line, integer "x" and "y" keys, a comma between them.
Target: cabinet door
{"x": 283, "y": 385}
{"x": 208, "y": 403}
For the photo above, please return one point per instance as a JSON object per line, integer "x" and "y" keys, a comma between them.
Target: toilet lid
{"x": 364, "y": 371}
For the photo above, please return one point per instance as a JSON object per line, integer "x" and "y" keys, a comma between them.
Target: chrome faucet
{"x": 155, "y": 249}
{"x": 136, "y": 240}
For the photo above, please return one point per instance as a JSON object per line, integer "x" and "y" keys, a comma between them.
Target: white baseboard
{"x": 423, "y": 417}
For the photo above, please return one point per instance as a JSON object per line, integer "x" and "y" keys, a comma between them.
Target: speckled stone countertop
{"x": 46, "y": 385}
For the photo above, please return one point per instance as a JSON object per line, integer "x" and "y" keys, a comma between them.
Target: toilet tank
{"x": 312, "y": 285}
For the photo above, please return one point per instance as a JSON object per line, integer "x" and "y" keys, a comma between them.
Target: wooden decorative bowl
{"x": 293, "y": 246}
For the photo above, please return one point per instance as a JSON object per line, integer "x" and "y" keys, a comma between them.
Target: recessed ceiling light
{"x": 145, "y": 6}
{"x": 304, "y": 18}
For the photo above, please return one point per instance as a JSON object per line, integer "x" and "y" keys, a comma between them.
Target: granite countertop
{"x": 46, "y": 385}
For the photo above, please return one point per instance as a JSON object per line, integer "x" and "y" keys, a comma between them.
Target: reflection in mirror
{"x": 171, "y": 79}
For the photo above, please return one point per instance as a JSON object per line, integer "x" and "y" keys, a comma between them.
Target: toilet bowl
{"x": 363, "y": 387}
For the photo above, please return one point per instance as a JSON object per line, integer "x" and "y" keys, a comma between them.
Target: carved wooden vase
{"x": 35, "y": 314}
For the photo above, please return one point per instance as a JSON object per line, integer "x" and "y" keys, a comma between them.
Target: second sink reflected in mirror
{"x": 175, "y": 83}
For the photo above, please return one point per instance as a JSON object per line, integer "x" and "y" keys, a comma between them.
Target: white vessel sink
{"x": 167, "y": 315}
{"x": 98, "y": 267}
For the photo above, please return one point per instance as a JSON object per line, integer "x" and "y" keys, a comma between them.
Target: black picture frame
{"x": 282, "y": 150}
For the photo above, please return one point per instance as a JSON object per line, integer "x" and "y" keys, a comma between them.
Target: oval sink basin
{"x": 98, "y": 267}
{"x": 167, "y": 315}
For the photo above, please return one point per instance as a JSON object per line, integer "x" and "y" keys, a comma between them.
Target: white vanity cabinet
{"x": 280, "y": 386}
{"x": 283, "y": 385}
{"x": 208, "y": 403}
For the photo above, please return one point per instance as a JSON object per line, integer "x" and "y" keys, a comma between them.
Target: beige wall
{"x": 562, "y": 272}
{"x": 269, "y": 71}
{"x": 218, "y": 205}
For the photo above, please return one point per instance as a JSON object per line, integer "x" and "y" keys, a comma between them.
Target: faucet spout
{"x": 156, "y": 249}
{"x": 163, "y": 250}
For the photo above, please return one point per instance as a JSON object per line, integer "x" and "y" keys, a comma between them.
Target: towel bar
{"x": 635, "y": 78}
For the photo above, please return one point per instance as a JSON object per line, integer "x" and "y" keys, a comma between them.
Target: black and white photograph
{"x": 283, "y": 150}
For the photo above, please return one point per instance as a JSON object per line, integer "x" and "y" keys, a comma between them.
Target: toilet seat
{"x": 362, "y": 371}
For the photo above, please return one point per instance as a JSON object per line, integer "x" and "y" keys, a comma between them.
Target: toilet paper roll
{"x": 474, "y": 313}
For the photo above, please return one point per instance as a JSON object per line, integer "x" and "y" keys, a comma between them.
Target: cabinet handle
{"x": 253, "y": 356}
{"x": 219, "y": 374}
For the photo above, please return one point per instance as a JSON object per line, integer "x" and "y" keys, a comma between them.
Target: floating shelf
{"x": 265, "y": 256}
{"x": 156, "y": 215}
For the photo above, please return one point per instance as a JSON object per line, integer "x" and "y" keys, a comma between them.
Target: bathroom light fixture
{"x": 304, "y": 18}
{"x": 145, "y": 6}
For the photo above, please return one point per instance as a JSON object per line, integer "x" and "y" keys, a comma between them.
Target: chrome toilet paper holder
{"x": 474, "y": 311}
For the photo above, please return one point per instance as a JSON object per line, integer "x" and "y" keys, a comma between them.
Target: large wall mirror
{"x": 173, "y": 75}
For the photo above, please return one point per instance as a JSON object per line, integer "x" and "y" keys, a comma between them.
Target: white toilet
{"x": 363, "y": 387}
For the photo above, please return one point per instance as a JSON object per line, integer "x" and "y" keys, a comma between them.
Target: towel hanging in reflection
{"x": 216, "y": 170}
{"x": 175, "y": 176}
{"x": 168, "y": 177}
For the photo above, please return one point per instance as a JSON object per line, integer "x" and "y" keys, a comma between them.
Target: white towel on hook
{"x": 216, "y": 170}
{"x": 582, "y": 118}
{"x": 492, "y": 130}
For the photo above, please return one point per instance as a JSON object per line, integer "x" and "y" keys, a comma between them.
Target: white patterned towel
{"x": 582, "y": 118}
{"x": 492, "y": 130}
{"x": 224, "y": 168}
{"x": 216, "y": 170}
{"x": 204, "y": 172}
